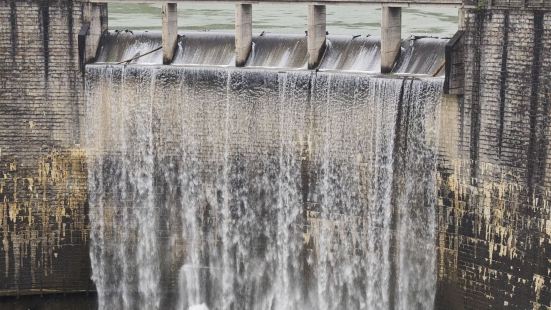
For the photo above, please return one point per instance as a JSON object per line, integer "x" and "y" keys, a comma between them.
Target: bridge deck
{"x": 397, "y": 3}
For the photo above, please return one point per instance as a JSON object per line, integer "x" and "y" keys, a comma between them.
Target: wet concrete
{"x": 80, "y": 301}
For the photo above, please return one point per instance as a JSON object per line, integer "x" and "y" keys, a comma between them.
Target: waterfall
{"x": 226, "y": 188}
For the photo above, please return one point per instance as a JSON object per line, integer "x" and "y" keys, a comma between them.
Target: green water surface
{"x": 285, "y": 18}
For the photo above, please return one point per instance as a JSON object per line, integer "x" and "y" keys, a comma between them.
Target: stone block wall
{"x": 43, "y": 208}
{"x": 509, "y": 4}
{"x": 495, "y": 179}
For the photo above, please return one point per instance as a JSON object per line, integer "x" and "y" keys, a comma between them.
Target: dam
{"x": 217, "y": 170}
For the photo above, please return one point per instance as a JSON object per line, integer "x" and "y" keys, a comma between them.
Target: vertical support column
{"x": 170, "y": 31}
{"x": 461, "y": 17}
{"x": 243, "y": 32}
{"x": 316, "y": 34}
{"x": 94, "y": 23}
{"x": 391, "y": 37}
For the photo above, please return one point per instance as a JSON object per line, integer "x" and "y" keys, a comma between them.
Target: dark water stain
{"x": 73, "y": 82}
{"x": 536, "y": 149}
{"x": 407, "y": 117}
{"x": 70, "y": 26}
{"x": 44, "y": 22}
{"x": 13, "y": 29}
{"x": 305, "y": 163}
{"x": 400, "y": 147}
{"x": 104, "y": 16}
{"x": 478, "y": 33}
{"x": 462, "y": 122}
{"x": 306, "y": 183}
{"x": 503, "y": 82}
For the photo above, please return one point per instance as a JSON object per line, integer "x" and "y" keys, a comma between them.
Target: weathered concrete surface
{"x": 495, "y": 176}
{"x": 50, "y": 302}
{"x": 243, "y": 33}
{"x": 391, "y": 37}
{"x": 43, "y": 216}
{"x": 94, "y": 23}
{"x": 455, "y": 65}
{"x": 316, "y": 34}
{"x": 170, "y": 31}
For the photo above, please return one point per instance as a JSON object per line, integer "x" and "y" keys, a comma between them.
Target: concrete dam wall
{"x": 494, "y": 189}
{"x": 43, "y": 184}
{"x": 368, "y": 189}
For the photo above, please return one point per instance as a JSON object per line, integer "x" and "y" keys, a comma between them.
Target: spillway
{"x": 420, "y": 55}
{"x": 227, "y": 188}
{"x": 215, "y": 49}
{"x": 352, "y": 54}
{"x": 120, "y": 46}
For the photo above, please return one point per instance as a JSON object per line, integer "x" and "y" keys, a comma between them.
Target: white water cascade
{"x": 225, "y": 188}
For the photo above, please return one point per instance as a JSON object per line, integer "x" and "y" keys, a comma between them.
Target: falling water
{"x": 352, "y": 53}
{"x": 224, "y": 188}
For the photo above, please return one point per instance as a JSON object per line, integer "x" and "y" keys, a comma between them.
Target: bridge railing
{"x": 391, "y": 26}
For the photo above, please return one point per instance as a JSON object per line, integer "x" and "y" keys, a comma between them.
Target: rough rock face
{"x": 43, "y": 213}
{"x": 495, "y": 181}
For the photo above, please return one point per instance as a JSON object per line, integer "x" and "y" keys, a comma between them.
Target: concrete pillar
{"x": 94, "y": 23}
{"x": 461, "y": 19}
{"x": 391, "y": 37}
{"x": 170, "y": 31}
{"x": 95, "y": 16}
{"x": 243, "y": 32}
{"x": 316, "y": 34}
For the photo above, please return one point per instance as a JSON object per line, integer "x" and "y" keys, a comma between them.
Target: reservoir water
{"x": 285, "y": 18}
